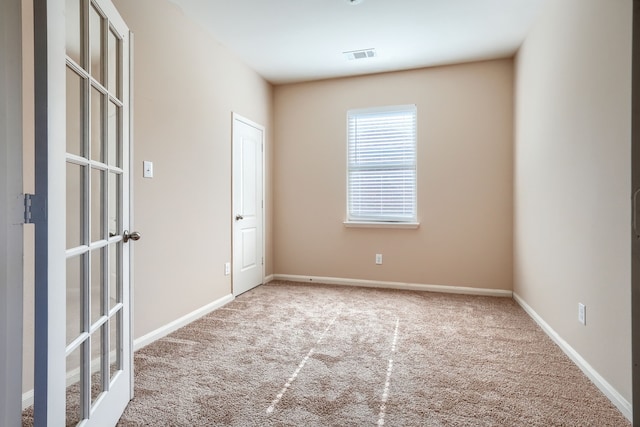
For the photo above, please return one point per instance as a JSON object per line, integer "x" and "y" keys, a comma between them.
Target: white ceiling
{"x": 289, "y": 41}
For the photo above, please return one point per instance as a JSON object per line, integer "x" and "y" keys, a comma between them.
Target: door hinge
{"x": 34, "y": 209}
{"x": 262, "y": 260}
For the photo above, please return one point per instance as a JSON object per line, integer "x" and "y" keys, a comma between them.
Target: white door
{"x": 83, "y": 362}
{"x": 248, "y": 205}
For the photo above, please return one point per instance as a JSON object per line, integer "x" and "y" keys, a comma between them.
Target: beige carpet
{"x": 288, "y": 354}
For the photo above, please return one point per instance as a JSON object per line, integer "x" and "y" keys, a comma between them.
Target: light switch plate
{"x": 582, "y": 313}
{"x": 147, "y": 169}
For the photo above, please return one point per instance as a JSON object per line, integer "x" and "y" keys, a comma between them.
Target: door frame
{"x": 50, "y": 262}
{"x": 11, "y": 214}
{"x": 237, "y": 117}
{"x": 635, "y": 211}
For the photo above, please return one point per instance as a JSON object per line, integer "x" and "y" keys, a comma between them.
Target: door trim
{"x": 131, "y": 221}
{"x": 49, "y": 67}
{"x": 11, "y": 207}
{"x": 235, "y": 116}
{"x": 635, "y": 234}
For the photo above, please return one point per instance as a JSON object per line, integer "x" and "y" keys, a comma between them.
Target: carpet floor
{"x": 291, "y": 354}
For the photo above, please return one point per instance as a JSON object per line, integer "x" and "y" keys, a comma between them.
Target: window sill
{"x": 371, "y": 224}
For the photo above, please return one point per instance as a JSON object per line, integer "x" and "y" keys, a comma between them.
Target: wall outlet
{"x": 227, "y": 268}
{"x": 582, "y": 313}
{"x": 379, "y": 259}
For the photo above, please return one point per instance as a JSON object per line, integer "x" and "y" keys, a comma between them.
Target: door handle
{"x": 134, "y": 235}
{"x": 239, "y": 217}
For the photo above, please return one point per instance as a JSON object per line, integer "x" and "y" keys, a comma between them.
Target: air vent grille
{"x": 360, "y": 54}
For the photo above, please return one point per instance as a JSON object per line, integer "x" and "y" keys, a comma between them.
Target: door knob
{"x": 239, "y": 217}
{"x": 134, "y": 235}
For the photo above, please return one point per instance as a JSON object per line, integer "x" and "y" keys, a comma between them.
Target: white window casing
{"x": 382, "y": 166}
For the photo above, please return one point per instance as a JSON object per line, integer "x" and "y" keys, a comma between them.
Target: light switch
{"x": 147, "y": 167}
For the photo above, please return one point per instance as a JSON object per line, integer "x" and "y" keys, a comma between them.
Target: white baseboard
{"x": 268, "y": 279}
{"x": 165, "y": 330}
{"x": 396, "y": 285}
{"x": 612, "y": 394}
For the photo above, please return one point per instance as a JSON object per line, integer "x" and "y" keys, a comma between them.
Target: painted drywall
{"x": 573, "y": 178}
{"x": 465, "y": 195}
{"x": 186, "y": 87}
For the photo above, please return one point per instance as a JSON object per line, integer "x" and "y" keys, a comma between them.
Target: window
{"x": 381, "y": 169}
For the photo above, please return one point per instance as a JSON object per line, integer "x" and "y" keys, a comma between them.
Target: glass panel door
{"x": 97, "y": 179}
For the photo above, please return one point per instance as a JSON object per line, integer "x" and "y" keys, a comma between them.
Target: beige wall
{"x": 572, "y": 178}
{"x": 185, "y": 88}
{"x": 465, "y": 135}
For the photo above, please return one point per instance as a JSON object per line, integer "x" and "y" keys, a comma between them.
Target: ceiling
{"x": 288, "y": 41}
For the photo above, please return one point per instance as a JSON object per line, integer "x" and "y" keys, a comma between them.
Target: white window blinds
{"x": 382, "y": 164}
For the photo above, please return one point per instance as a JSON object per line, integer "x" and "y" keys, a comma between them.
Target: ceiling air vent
{"x": 360, "y": 54}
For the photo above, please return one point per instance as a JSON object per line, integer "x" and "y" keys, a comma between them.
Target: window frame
{"x": 381, "y": 221}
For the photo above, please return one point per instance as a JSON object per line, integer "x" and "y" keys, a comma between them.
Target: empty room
{"x": 331, "y": 212}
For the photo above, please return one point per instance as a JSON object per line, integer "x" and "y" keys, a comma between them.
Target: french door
{"x": 83, "y": 347}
